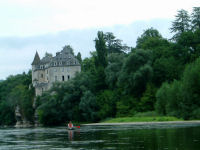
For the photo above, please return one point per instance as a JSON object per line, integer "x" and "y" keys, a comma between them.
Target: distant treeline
{"x": 158, "y": 74}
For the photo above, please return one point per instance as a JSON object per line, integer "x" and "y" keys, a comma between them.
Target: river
{"x": 133, "y": 137}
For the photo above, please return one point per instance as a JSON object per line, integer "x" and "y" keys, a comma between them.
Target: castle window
{"x": 60, "y": 63}
{"x": 41, "y": 75}
{"x": 68, "y": 77}
{"x": 63, "y": 78}
{"x": 55, "y": 63}
{"x": 55, "y": 78}
{"x": 41, "y": 67}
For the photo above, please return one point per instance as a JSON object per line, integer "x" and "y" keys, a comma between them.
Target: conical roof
{"x": 36, "y": 60}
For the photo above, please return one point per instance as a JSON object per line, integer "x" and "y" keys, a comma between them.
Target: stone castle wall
{"x": 62, "y": 73}
{"x": 46, "y": 77}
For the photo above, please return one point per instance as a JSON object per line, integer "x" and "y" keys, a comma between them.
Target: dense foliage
{"x": 16, "y": 91}
{"x": 181, "y": 98}
{"x": 117, "y": 81}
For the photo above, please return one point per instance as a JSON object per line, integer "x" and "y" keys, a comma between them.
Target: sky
{"x": 48, "y": 25}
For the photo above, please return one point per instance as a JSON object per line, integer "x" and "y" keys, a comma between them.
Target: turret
{"x": 34, "y": 64}
{"x": 36, "y": 60}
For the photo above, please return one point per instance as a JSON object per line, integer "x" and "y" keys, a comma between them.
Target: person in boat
{"x": 70, "y": 125}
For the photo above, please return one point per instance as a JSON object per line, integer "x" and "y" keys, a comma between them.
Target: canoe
{"x": 71, "y": 128}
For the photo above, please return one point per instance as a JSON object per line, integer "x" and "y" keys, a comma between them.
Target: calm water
{"x": 133, "y": 137}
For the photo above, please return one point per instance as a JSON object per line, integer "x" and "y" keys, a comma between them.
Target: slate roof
{"x": 45, "y": 60}
{"x": 63, "y": 58}
{"x": 36, "y": 60}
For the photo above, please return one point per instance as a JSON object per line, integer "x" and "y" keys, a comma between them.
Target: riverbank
{"x": 141, "y": 119}
{"x": 144, "y": 123}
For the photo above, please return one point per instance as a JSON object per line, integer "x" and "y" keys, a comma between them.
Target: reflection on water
{"x": 136, "y": 137}
{"x": 70, "y": 135}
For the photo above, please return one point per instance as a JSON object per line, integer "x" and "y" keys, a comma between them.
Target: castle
{"x": 51, "y": 69}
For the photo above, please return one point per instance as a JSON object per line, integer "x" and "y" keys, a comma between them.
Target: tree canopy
{"x": 156, "y": 75}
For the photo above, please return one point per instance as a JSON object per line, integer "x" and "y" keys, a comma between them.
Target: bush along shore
{"x": 117, "y": 81}
{"x": 142, "y": 119}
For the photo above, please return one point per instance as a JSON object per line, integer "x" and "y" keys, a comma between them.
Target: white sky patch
{"x": 14, "y": 62}
{"x": 34, "y": 17}
{"x": 48, "y": 20}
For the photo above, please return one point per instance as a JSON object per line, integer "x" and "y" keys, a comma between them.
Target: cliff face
{"x": 21, "y": 121}
{"x": 36, "y": 122}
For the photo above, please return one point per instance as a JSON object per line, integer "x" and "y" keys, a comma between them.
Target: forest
{"x": 158, "y": 74}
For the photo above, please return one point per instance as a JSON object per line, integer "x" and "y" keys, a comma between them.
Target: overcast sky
{"x": 48, "y": 25}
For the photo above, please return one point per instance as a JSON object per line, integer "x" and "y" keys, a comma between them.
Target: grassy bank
{"x": 142, "y": 117}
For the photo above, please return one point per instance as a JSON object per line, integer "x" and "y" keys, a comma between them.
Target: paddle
{"x": 77, "y": 126}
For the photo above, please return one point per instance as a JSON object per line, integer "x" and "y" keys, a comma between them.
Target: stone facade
{"x": 49, "y": 69}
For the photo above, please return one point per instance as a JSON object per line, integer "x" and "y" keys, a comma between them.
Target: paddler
{"x": 70, "y": 125}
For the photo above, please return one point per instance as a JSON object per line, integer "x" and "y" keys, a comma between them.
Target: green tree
{"x": 166, "y": 69}
{"x": 79, "y": 57}
{"x": 191, "y": 86}
{"x": 181, "y": 98}
{"x": 180, "y": 24}
{"x": 112, "y": 71}
{"x": 148, "y": 34}
{"x": 88, "y": 106}
{"x": 50, "y": 112}
{"x": 174, "y": 99}
{"x": 101, "y": 57}
{"x": 148, "y": 99}
{"x": 189, "y": 43}
{"x": 197, "y": 44}
{"x": 186, "y": 39}
{"x": 23, "y": 97}
{"x": 114, "y": 45}
{"x": 88, "y": 65}
{"x": 136, "y": 72}
{"x": 161, "y": 97}
{"x": 195, "y": 17}
{"x": 7, "y": 113}
{"x": 126, "y": 106}
{"x": 100, "y": 61}
{"x": 106, "y": 101}
{"x": 14, "y": 91}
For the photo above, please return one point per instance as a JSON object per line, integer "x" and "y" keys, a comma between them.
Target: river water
{"x": 127, "y": 137}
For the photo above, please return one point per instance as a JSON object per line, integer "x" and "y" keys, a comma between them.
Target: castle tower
{"x": 36, "y": 60}
{"x": 35, "y": 64}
